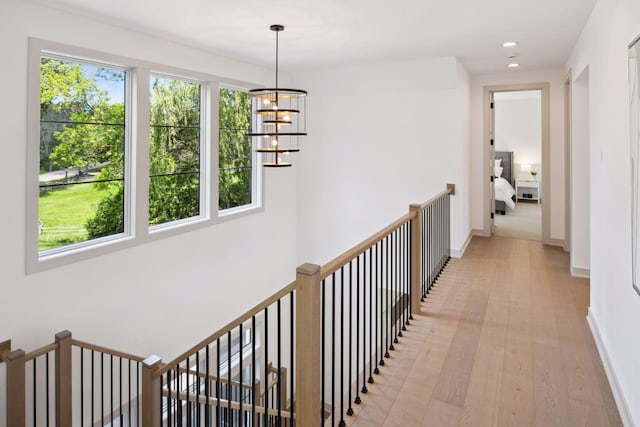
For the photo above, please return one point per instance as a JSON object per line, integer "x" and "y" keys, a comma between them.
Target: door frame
{"x": 545, "y": 145}
{"x": 568, "y": 189}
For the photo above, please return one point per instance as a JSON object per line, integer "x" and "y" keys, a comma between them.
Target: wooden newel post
{"x": 63, "y": 379}
{"x": 15, "y": 361}
{"x": 416, "y": 258}
{"x": 307, "y": 393}
{"x": 151, "y": 405}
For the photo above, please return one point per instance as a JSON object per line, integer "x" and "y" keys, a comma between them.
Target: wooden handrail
{"x": 228, "y": 327}
{"x": 436, "y": 198}
{"x": 333, "y": 265}
{"x": 213, "y": 401}
{"x": 106, "y": 350}
{"x": 39, "y": 352}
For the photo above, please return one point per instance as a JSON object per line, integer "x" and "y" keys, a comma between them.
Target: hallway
{"x": 503, "y": 340}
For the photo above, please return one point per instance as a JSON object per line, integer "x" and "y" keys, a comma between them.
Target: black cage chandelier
{"x": 277, "y": 119}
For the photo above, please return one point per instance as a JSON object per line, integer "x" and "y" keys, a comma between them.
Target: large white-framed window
{"x": 84, "y": 143}
{"x": 177, "y": 148}
{"x": 121, "y": 151}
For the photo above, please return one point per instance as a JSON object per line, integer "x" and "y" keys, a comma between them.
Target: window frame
{"x": 257, "y": 173}
{"x": 205, "y": 148}
{"x": 136, "y": 165}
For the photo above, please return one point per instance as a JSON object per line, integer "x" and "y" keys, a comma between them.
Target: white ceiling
{"x": 329, "y": 33}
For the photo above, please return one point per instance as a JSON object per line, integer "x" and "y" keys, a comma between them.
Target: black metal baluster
{"x": 364, "y": 255}
{"x": 218, "y": 385}
{"x": 401, "y": 284}
{"x": 92, "y": 385}
{"x": 207, "y": 387}
{"x": 379, "y": 295}
{"x": 178, "y": 376}
{"x": 430, "y": 243}
{"x": 138, "y": 392}
{"x": 341, "y": 389}
{"x": 398, "y": 296}
{"x": 82, "y": 386}
{"x": 254, "y": 419}
{"x": 169, "y": 400}
{"x": 35, "y": 396}
{"x": 407, "y": 265}
{"x": 229, "y": 390}
{"x": 129, "y": 388}
{"x": 102, "y": 386}
{"x": 364, "y": 389}
{"x": 387, "y": 305}
{"x": 350, "y": 409}
{"x": 120, "y": 380}
{"x": 241, "y": 391}
{"x": 371, "y": 322}
{"x": 187, "y": 377}
{"x": 333, "y": 348}
{"x": 391, "y": 287}
{"x": 426, "y": 237}
{"x": 449, "y": 222}
{"x": 323, "y": 329}
{"x": 111, "y": 385}
{"x": 279, "y": 385}
{"x": 291, "y": 362}
{"x": 46, "y": 371}
{"x": 438, "y": 239}
{"x": 197, "y": 392}
{"x": 266, "y": 365}
{"x": 406, "y": 275}
{"x": 404, "y": 292}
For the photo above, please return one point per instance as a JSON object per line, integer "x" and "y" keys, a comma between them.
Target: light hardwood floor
{"x": 502, "y": 341}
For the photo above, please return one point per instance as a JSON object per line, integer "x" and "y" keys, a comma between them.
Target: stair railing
{"x": 300, "y": 357}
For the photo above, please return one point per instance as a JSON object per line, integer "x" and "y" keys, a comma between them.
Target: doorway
{"x": 528, "y": 189}
{"x": 518, "y": 153}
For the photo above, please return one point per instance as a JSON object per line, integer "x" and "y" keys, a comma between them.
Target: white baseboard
{"x": 460, "y": 252}
{"x": 556, "y": 242}
{"x": 621, "y": 402}
{"x": 479, "y": 232}
{"x": 583, "y": 273}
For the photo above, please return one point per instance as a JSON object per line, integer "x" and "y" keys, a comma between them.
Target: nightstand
{"x": 528, "y": 189}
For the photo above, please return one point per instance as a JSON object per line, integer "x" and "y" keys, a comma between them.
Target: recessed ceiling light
{"x": 510, "y": 44}
{"x": 513, "y": 65}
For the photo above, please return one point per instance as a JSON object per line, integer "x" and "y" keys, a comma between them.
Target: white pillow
{"x": 498, "y": 172}
{"x": 498, "y": 162}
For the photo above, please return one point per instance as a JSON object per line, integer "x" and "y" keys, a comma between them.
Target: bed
{"x": 504, "y": 181}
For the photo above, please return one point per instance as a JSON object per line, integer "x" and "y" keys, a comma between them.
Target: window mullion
{"x": 139, "y": 164}
{"x": 211, "y": 132}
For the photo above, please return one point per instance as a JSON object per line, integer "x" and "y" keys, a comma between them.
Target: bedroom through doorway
{"x": 517, "y": 185}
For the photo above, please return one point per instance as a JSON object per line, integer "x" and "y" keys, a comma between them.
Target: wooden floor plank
{"x": 502, "y": 340}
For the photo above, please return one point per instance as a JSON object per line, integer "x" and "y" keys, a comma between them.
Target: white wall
{"x": 615, "y": 307}
{"x": 381, "y": 136}
{"x": 555, "y": 79}
{"x": 518, "y": 128}
{"x": 174, "y": 291}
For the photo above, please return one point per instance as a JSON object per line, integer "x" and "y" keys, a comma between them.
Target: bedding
{"x": 504, "y": 192}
